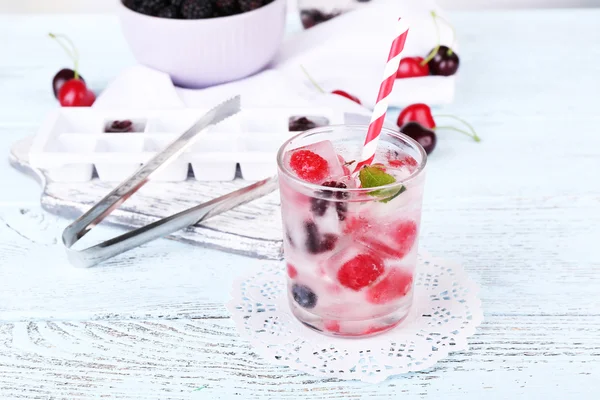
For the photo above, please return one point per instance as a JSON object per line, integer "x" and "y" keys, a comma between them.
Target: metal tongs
{"x": 93, "y": 255}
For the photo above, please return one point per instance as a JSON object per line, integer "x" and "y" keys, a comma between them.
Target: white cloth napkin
{"x": 346, "y": 53}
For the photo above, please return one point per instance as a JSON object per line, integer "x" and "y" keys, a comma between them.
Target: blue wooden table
{"x": 521, "y": 210}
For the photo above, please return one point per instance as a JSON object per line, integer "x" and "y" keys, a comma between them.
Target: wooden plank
{"x": 510, "y": 357}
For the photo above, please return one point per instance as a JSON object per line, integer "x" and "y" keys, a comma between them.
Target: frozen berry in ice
{"x": 404, "y": 234}
{"x": 315, "y": 243}
{"x": 301, "y": 124}
{"x": 318, "y": 206}
{"x": 309, "y": 166}
{"x": 361, "y": 271}
{"x": 394, "y": 286}
{"x": 328, "y": 242}
{"x": 195, "y": 9}
{"x": 120, "y": 127}
{"x": 313, "y": 240}
{"x": 341, "y": 209}
{"x": 406, "y": 161}
{"x": 291, "y": 270}
{"x": 332, "y": 326}
{"x": 304, "y": 296}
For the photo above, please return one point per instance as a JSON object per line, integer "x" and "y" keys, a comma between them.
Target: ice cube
{"x": 307, "y": 169}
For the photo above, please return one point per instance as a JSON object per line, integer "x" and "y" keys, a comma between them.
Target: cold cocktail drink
{"x": 350, "y": 240}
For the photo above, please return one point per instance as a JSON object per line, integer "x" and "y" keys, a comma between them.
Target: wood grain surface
{"x": 520, "y": 210}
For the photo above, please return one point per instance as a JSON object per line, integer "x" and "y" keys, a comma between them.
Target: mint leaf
{"x": 372, "y": 176}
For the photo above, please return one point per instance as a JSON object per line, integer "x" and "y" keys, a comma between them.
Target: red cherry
{"x": 412, "y": 67}
{"x": 347, "y": 95}
{"x": 74, "y": 93}
{"x": 361, "y": 271}
{"x": 420, "y": 113}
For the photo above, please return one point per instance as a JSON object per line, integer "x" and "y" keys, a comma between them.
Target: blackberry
{"x": 150, "y": 7}
{"x": 227, "y": 7}
{"x": 315, "y": 244}
{"x": 319, "y": 206}
{"x": 312, "y": 17}
{"x": 304, "y": 296}
{"x": 328, "y": 242}
{"x": 197, "y": 9}
{"x": 301, "y": 124}
{"x": 169, "y": 12}
{"x": 342, "y": 209}
{"x": 120, "y": 126}
{"x": 176, "y": 3}
{"x": 249, "y": 5}
{"x": 312, "y": 237}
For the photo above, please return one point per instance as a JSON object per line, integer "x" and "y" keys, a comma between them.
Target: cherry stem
{"x": 472, "y": 135}
{"x": 72, "y": 52}
{"x": 444, "y": 20}
{"x": 310, "y": 78}
{"x": 439, "y": 39}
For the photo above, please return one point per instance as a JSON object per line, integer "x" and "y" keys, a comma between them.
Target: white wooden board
{"x": 235, "y": 231}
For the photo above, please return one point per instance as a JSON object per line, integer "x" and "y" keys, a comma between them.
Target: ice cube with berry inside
{"x": 316, "y": 162}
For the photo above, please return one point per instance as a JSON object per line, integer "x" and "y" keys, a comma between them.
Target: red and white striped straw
{"x": 389, "y": 77}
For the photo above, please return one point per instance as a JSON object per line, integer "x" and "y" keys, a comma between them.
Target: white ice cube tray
{"x": 72, "y": 143}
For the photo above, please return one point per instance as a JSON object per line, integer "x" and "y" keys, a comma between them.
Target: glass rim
{"x": 289, "y": 174}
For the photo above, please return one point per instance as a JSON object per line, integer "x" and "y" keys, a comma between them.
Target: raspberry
{"x": 407, "y": 161}
{"x": 397, "y": 284}
{"x": 309, "y": 166}
{"x": 332, "y": 326}
{"x": 249, "y": 5}
{"x": 361, "y": 271}
{"x": 405, "y": 234}
{"x": 196, "y": 9}
{"x": 357, "y": 226}
{"x": 292, "y": 272}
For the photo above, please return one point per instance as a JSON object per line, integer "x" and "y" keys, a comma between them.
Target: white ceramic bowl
{"x": 204, "y": 52}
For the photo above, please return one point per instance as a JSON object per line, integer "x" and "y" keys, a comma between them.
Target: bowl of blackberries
{"x": 202, "y": 43}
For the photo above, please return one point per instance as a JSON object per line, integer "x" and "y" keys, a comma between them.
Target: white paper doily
{"x": 446, "y": 311}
